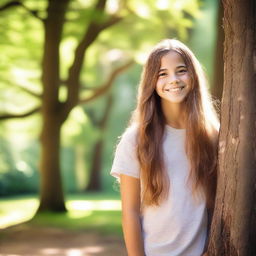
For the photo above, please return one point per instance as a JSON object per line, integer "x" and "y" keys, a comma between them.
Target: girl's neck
{"x": 174, "y": 113}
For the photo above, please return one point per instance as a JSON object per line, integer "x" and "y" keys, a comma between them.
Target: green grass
{"x": 99, "y": 212}
{"x": 14, "y": 210}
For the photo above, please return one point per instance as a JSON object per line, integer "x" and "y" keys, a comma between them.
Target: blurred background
{"x": 68, "y": 84}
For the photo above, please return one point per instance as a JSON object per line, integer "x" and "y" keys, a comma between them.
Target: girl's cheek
{"x": 161, "y": 83}
{"x": 162, "y": 80}
{"x": 186, "y": 78}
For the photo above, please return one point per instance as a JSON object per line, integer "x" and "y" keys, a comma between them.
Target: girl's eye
{"x": 182, "y": 71}
{"x": 162, "y": 74}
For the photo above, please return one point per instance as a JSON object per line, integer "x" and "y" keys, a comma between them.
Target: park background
{"x": 91, "y": 130}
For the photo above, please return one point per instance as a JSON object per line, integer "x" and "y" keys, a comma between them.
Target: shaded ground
{"x": 24, "y": 240}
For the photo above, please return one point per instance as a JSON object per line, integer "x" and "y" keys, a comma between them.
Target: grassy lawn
{"x": 93, "y": 211}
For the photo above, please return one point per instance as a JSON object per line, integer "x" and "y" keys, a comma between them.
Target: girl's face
{"x": 174, "y": 81}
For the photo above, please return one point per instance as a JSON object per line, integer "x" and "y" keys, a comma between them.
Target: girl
{"x": 166, "y": 159}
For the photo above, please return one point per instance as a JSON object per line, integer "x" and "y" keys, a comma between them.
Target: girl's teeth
{"x": 176, "y": 89}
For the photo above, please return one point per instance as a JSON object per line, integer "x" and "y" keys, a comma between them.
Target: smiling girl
{"x": 166, "y": 159}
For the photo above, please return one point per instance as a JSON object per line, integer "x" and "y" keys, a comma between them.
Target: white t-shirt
{"x": 178, "y": 226}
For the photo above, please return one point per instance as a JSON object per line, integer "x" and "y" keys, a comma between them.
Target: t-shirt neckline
{"x": 172, "y": 129}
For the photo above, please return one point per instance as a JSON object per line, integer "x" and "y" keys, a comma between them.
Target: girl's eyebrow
{"x": 179, "y": 66}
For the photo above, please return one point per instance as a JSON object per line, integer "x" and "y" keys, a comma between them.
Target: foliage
{"x": 18, "y": 173}
{"x": 22, "y": 44}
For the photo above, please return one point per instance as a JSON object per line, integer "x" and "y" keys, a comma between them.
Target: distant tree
{"x": 97, "y": 152}
{"x": 233, "y": 230}
{"x": 139, "y": 23}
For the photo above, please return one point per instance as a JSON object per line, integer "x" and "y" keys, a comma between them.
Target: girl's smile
{"x": 174, "y": 82}
{"x": 175, "y": 89}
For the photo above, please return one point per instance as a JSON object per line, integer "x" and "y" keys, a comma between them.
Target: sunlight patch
{"x": 79, "y": 214}
{"x": 50, "y": 251}
{"x": 94, "y": 205}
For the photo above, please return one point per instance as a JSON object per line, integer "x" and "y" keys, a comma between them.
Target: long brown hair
{"x": 202, "y": 127}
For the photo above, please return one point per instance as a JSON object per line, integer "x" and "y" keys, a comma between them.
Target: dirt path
{"x": 23, "y": 240}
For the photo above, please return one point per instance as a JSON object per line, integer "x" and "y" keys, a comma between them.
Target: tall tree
{"x": 54, "y": 109}
{"x": 233, "y": 229}
{"x": 55, "y": 112}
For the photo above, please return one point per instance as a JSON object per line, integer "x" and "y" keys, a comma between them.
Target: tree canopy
{"x": 63, "y": 53}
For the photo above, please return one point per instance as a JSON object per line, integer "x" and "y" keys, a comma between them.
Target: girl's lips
{"x": 175, "y": 89}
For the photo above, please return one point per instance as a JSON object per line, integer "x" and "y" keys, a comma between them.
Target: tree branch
{"x": 101, "y": 122}
{"x": 112, "y": 21}
{"x": 9, "y": 5}
{"x": 107, "y": 85}
{"x": 37, "y": 95}
{"x": 18, "y": 3}
{"x": 11, "y": 116}
{"x": 23, "y": 88}
{"x": 90, "y": 35}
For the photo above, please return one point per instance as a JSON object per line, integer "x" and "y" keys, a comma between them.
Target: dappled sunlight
{"x": 71, "y": 128}
{"x": 79, "y": 214}
{"x": 13, "y": 254}
{"x": 50, "y": 251}
{"x": 162, "y": 4}
{"x": 87, "y": 250}
{"x": 94, "y": 205}
{"x": 15, "y": 212}
{"x": 14, "y": 218}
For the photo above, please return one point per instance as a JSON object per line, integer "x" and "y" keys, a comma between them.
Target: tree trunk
{"x": 217, "y": 88}
{"x": 94, "y": 179}
{"x": 51, "y": 193}
{"x": 233, "y": 230}
{"x": 51, "y": 196}
{"x": 95, "y": 172}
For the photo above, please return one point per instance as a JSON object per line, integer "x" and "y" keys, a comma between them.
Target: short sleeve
{"x": 125, "y": 159}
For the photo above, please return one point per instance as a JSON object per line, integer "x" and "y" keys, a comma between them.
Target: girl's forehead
{"x": 172, "y": 58}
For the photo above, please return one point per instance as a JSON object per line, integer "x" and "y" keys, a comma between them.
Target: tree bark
{"x": 51, "y": 192}
{"x": 217, "y": 88}
{"x": 233, "y": 230}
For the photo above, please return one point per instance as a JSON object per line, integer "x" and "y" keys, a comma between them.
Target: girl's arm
{"x": 130, "y": 196}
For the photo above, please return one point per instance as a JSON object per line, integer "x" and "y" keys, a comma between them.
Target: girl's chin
{"x": 174, "y": 98}
{"x": 174, "y": 101}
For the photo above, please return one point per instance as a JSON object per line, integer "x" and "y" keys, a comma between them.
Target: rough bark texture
{"x": 233, "y": 230}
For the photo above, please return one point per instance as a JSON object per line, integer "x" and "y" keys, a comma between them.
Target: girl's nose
{"x": 174, "y": 80}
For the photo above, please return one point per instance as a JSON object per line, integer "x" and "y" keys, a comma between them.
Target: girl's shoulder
{"x": 130, "y": 134}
